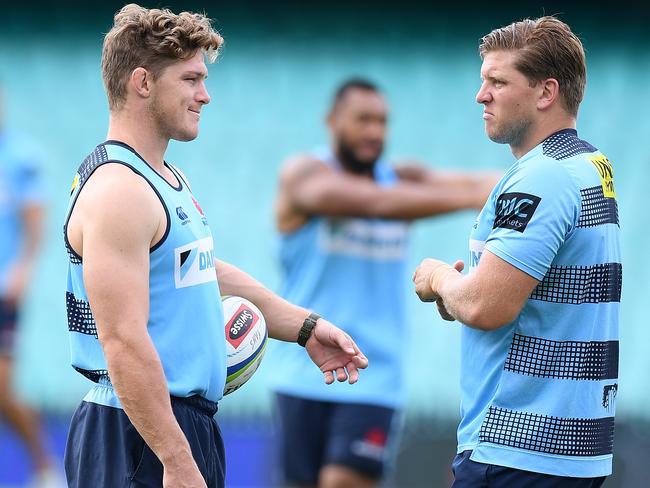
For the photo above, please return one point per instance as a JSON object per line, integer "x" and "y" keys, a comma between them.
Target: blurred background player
{"x": 541, "y": 302}
{"x": 21, "y": 227}
{"x": 343, "y": 213}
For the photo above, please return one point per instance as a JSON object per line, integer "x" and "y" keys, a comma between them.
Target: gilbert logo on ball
{"x": 246, "y": 337}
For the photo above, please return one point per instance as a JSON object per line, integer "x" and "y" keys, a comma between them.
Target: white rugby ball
{"x": 246, "y": 337}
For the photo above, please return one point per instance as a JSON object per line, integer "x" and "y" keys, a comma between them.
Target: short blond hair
{"x": 545, "y": 48}
{"x": 152, "y": 39}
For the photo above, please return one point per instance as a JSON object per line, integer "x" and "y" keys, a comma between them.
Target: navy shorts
{"x": 470, "y": 474}
{"x": 104, "y": 449}
{"x": 314, "y": 434}
{"x": 8, "y": 324}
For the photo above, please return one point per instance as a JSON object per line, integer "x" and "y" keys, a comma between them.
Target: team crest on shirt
{"x": 182, "y": 216}
{"x": 514, "y": 210}
{"x": 194, "y": 263}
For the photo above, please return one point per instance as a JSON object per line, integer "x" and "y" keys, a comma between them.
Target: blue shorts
{"x": 470, "y": 474}
{"x": 104, "y": 449}
{"x": 314, "y": 434}
{"x": 8, "y": 324}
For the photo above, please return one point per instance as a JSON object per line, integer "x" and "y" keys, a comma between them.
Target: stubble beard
{"x": 351, "y": 162}
{"x": 512, "y": 134}
{"x": 167, "y": 129}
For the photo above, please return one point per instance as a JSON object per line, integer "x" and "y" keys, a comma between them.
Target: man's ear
{"x": 550, "y": 92}
{"x": 141, "y": 81}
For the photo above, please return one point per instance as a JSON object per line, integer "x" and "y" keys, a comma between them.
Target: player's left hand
{"x": 334, "y": 351}
{"x": 429, "y": 275}
{"x": 422, "y": 278}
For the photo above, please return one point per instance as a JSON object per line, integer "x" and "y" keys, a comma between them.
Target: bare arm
{"x": 490, "y": 297}
{"x": 283, "y": 319}
{"x": 476, "y": 183}
{"x": 330, "y": 348}
{"x": 32, "y": 216}
{"x": 117, "y": 232}
{"x": 309, "y": 187}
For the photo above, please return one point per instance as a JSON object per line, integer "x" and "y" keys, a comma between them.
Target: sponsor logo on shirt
{"x": 240, "y": 325}
{"x": 475, "y": 252}
{"x": 606, "y": 173}
{"x": 373, "y": 240}
{"x": 194, "y": 263}
{"x": 75, "y": 183}
{"x": 514, "y": 210}
{"x": 200, "y": 210}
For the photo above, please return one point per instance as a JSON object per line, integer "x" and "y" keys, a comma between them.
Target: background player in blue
{"x": 143, "y": 300}
{"x": 21, "y": 227}
{"x": 343, "y": 213}
{"x": 540, "y": 306}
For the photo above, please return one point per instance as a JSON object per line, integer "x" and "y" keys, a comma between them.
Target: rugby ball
{"x": 246, "y": 337}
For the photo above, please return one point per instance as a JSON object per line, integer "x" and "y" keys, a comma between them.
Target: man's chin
{"x": 495, "y": 136}
{"x": 368, "y": 160}
{"x": 186, "y": 136}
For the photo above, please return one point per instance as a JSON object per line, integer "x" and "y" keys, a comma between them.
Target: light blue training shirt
{"x": 21, "y": 186}
{"x": 352, "y": 271}
{"x": 539, "y": 394}
{"x": 186, "y": 321}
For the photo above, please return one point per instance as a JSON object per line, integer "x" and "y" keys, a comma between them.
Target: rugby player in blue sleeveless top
{"x": 22, "y": 210}
{"x": 343, "y": 212}
{"x": 143, "y": 298}
{"x": 540, "y": 306}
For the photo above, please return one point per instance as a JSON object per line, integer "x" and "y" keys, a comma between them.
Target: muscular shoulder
{"x": 542, "y": 171}
{"x": 115, "y": 194}
{"x": 114, "y": 179}
{"x": 547, "y": 183}
{"x": 300, "y": 166}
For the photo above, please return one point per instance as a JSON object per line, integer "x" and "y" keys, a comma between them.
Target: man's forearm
{"x": 471, "y": 302}
{"x": 456, "y": 293}
{"x": 283, "y": 319}
{"x": 408, "y": 201}
{"x": 22, "y": 266}
{"x": 489, "y": 297}
{"x": 32, "y": 221}
{"x": 474, "y": 186}
{"x": 139, "y": 381}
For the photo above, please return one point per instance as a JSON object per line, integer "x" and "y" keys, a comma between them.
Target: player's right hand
{"x": 442, "y": 310}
